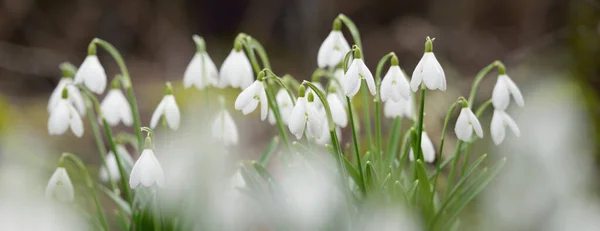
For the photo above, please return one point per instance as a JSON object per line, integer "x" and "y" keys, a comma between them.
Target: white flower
{"x": 167, "y": 107}
{"x": 325, "y": 135}
{"x": 248, "y": 100}
{"x": 394, "y": 85}
{"x": 112, "y": 168}
{"x": 147, "y": 171}
{"x": 305, "y": 114}
{"x": 285, "y": 107}
{"x": 60, "y": 187}
{"x": 201, "y": 72}
{"x": 497, "y": 128}
{"x": 224, "y": 128}
{"x": 333, "y": 50}
{"x": 427, "y": 147}
{"x": 236, "y": 70}
{"x": 74, "y": 95}
{"x": 91, "y": 74}
{"x": 353, "y": 78}
{"x": 466, "y": 123}
{"x": 430, "y": 72}
{"x": 502, "y": 91}
{"x": 116, "y": 108}
{"x": 63, "y": 116}
{"x": 338, "y": 110}
{"x": 401, "y": 108}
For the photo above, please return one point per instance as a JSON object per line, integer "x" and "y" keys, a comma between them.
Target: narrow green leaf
{"x": 371, "y": 176}
{"x": 266, "y": 155}
{"x": 425, "y": 194}
{"x": 391, "y": 151}
{"x": 353, "y": 173}
{"x": 122, "y": 204}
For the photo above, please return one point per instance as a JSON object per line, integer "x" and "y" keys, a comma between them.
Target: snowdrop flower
{"x": 394, "y": 85}
{"x": 63, "y": 116}
{"x": 285, "y": 107}
{"x": 325, "y": 135}
{"x": 401, "y": 108}
{"x": 466, "y": 123}
{"x": 497, "y": 128}
{"x": 248, "y": 99}
{"x": 147, "y": 170}
{"x": 60, "y": 187}
{"x": 428, "y": 71}
{"x": 115, "y": 107}
{"x": 338, "y": 110}
{"x": 167, "y": 108}
{"x": 236, "y": 70}
{"x": 503, "y": 89}
{"x": 224, "y": 128}
{"x": 334, "y": 48}
{"x": 305, "y": 114}
{"x": 91, "y": 73}
{"x": 201, "y": 72}
{"x": 427, "y": 147}
{"x": 355, "y": 74}
{"x": 112, "y": 168}
{"x": 75, "y": 96}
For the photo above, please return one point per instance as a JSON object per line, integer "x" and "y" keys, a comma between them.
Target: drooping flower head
{"x": 285, "y": 107}
{"x": 91, "y": 73}
{"x": 355, "y": 74}
{"x": 64, "y": 116}
{"x": 60, "y": 187}
{"x": 498, "y": 126}
{"x": 334, "y": 48}
{"x": 394, "y": 85}
{"x": 426, "y": 147}
{"x": 236, "y": 70}
{"x": 249, "y": 98}
{"x": 338, "y": 109}
{"x": 110, "y": 171}
{"x": 75, "y": 97}
{"x": 504, "y": 88}
{"x": 202, "y": 71}
{"x": 224, "y": 128}
{"x": 305, "y": 114}
{"x": 168, "y": 109}
{"x": 428, "y": 71}
{"x": 466, "y": 123}
{"x": 115, "y": 106}
{"x": 147, "y": 171}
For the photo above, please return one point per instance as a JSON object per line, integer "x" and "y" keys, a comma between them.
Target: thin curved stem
{"x": 356, "y": 148}
{"x": 352, "y": 28}
{"x": 279, "y": 81}
{"x": 418, "y": 151}
{"x": 480, "y": 75}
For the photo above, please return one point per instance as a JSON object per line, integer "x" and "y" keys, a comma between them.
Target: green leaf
{"x": 266, "y": 155}
{"x": 391, "y": 151}
{"x": 425, "y": 194}
{"x": 353, "y": 173}
{"x": 371, "y": 176}
{"x": 122, "y": 204}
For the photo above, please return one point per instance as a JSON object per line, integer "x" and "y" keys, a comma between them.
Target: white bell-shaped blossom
{"x": 146, "y": 171}
{"x": 60, "y": 186}
{"x": 249, "y": 98}
{"x": 354, "y": 76}
{"x": 224, "y": 128}
{"x": 332, "y": 50}
{"x": 338, "y": 110}
{"x": 285, "y": 107}
{"x": 111, "y": 169}
{"x": 116, "y": 108}
{"x": 75, "y": 96}
{"x": 428, "y": 71}
{"x": 305, "y": 114}
{"x": 502, "y": 91}
{"x": 92, "y": 74}
{"x": 401, "y": 108}
{"x": 426, "y": 147}
{"x": 498, "y": 126}
{"x": 325, "y": 135}
{"x": 394, "y": 85}
{"x": 169, "y": 109}
{"x": 466, "y": 123}
{"x": 201, "y": 72}
{"x": 63, "y": 117}
{"x": 236, "y": 70}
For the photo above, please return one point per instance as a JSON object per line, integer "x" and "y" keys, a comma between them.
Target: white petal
{"x": 158, "y": 112}
{"x": 511, "y": 124}
{"x": 75, "y": 122}
{"x": 417, "y": 76}
{"x": 333, "y": 50}
{"x": 271, "y": 117}
{"x": 298, "y": 118}
{"x": 391, "y": 109}
{"x": 193, "y": 74}
{"x": 314, "y": 121}
{"x": 386, "y": 91}
{"x": 351, "y": 80}
{"x": 92, "y": 74}
{"x": 431, "y": 77}
{"x": 57, "y": 93}
{"x": 126, "y": 115}
{"x": 368, "y": 76}
{"x": 497, "y": 129}
{"x": 172, "y": 114}
{"x": 500, "y": 94}
{"x": 236, "y": 70}
{"x": 514, "y": 91}
{"x": 475, "y": 123}
{"x": 59, "y": 120}
{"x": 463, "y": 128}
{"x": 440, "y": 73}
{"x": 77, "y": 99}
{"x": 427, "y": 147}
{"x": 211, "y": 70}
{"x": 246, "y": 96}
{"x": 250, "y": 107}
{"x": 338, "y": 111}
{"x": 264, "y": 104}
{"x": 230, "y": 129}
{"x": 110, "y": 107}
{"x": 60, "y": 186}
{"x": 146, "y": 171}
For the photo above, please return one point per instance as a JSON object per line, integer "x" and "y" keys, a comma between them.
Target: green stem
{"x": 480, "y": 75}
{"x": 356, "y": 148}
{"x": 478, "y": 113}
{"x": 378, "y": 71}
{"x": 392, "y": 146}
{"x": 367, "y": 114}
{"x": 126, "y": 82}
{"x": 439, "y": 159}
{"x": 352, "y": 28}
{"x": 403, "y": 151}
{"x": 89, "y": 183}
{"x": 418, "y": 151}
{"x": 98, "y": 138}
{"x": 279, "y": 81}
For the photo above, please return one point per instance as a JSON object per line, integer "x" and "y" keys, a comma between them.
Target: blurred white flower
{"x": 248, "y": 100}
{"x": 394, "y": 85}
{"x": 427, "y": 147}
{"x": 338, "y": 110}
{"x": 201, "y": 72}
{"x": 497, "y": 128}
{"x": 112, "y": 168}
{"x": 169, "y": 109}
{"x": 224, "y": 128}
{"x": 353, "y": 78}
{"x": 236, "y": 70}
{"x": 466, "y": 123}
{"x": 430, "y": 72}
{"x": 60, "y": 187}
{"x": 305, "y": 114}
{"x": 285, "y": 107}
{"x": 332, "y": 50}
{"x": 74, "y": 95}
{"x": 146, "y": 171}
{"x": 402, "y": 108}
{"x": 63, "y": 116}
{"x": 91, "y": 74}
{"x": 325, "y": 135}
{"x": 502, "y": 91}
{"x": 116, "y": 108}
